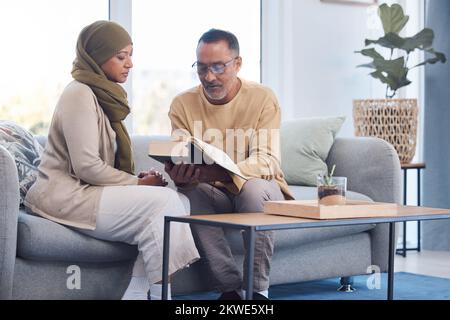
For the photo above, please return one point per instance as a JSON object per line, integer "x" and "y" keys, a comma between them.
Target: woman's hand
{"x": 152, "y": 178}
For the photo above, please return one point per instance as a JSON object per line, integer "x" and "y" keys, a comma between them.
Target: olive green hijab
{"x": 97, "y": 43}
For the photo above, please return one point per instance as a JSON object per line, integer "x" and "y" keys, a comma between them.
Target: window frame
{"x": 120, "y": 11}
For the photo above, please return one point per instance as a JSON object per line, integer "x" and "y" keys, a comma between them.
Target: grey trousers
{"x": 211, "y": 241}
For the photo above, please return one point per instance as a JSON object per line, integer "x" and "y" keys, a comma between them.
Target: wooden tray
{"x": 310, "y": 209}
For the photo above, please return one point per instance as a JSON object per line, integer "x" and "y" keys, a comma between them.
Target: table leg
{"x": 165, "y": 266}
{"x": 250, "y": 262}
{"x": 404, "y": 249}
{"x": 418, "y": 236}
{"x": 404, "y": 240}
{"x": 390, "y": 290}
{"x": 405, "y": 195}
{"x": 418, "y": 204}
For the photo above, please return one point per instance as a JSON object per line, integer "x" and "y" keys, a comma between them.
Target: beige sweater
{"x": 78, "y": 161}
{"x": 238, "y": 127}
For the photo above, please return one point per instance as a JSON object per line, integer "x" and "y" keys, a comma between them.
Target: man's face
{"x": 220, "y": 88}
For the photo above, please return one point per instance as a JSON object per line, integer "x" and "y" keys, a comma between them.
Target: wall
{"x": 436, "y": 184}
{"x": 325, "y": 76}
{"x": 308, "y": 56}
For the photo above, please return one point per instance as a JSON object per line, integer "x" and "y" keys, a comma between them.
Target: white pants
{"x": 135, "y": 215}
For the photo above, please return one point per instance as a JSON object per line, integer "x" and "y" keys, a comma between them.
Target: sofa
{"x": 40, "y": 259}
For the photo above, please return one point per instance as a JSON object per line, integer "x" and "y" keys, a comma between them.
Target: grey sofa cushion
{"x": 45, "y": 240}
{"x": 49, "y": 279}
{"x": 309, "y": 193}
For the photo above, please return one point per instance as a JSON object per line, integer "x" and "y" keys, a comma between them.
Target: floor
{"x": 428, "y": 263}
{"x": 431, "y": 263}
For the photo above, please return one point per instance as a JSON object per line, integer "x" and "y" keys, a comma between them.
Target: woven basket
{"x": 394, "y": 120}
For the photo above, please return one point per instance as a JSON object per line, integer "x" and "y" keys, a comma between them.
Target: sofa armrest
{"x": 372, "y": 167}
{"x": 9, "y": 211}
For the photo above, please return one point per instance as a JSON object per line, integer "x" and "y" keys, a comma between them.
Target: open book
{"x": 192, "y": 151}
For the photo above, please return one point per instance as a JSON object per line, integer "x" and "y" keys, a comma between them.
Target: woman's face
{"x": 117, "y": 68}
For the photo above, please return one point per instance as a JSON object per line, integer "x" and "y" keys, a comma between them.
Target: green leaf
{"x": 394, "y": 67}
{"x": 367, "y": 65}
{"x": 392, "y": 17}
{"x": 422, "y": 40}
{"x": 390, "y": 40}
{"x": 372, "y": 53}
{"x": 332, "y": 170}
{"x": 385, "y": 79}
{"x": 438, "y": 57}
{"x": 393, "y": 82}
{"x": 391, "y": 72}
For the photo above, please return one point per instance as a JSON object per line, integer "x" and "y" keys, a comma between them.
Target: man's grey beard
{"x": 221, "y": 97}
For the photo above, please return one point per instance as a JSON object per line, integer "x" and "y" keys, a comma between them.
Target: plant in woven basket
{"x": 331, "y": 190}
{"x": 394, "y": 120}
{"x": 394, "y": 71}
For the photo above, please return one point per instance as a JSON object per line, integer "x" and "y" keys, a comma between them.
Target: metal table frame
{"x": 405, "y": 167}
{"x": 251, "y": 229}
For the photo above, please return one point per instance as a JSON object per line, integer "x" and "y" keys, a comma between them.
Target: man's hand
{"x": 186, "y": 174}
{"x": 213, "y": 173}
{"x": 182, "y": 174}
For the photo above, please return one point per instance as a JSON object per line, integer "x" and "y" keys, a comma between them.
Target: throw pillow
{"x": 305, "y": 144}
{"x": 25, "y": 150}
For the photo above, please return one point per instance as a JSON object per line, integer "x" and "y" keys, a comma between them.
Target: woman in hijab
{"x": 86, "y": 176}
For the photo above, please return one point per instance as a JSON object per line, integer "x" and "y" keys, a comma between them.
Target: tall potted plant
{"x": 394, "y": 120}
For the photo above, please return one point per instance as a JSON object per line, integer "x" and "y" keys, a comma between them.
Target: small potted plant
{"x": 331, "y": 190}
{"x": 394, "y": 120}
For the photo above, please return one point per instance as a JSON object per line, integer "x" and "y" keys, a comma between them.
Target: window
{"x": 165, "y": 35}
{"x": 38, "y": 48}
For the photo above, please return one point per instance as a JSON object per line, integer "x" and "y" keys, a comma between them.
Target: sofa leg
{"x": 346, "y": 285}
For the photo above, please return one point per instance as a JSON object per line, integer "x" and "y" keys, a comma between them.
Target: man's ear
{"x": 238, "y": 63}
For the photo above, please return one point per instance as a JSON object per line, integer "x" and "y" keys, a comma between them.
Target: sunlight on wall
{"x": 38, "y": 48}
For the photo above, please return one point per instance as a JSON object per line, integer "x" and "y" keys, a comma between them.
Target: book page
{"x": 219, "y": 157}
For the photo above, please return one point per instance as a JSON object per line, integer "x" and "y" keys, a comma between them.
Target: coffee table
{"x": 253, "y": 222}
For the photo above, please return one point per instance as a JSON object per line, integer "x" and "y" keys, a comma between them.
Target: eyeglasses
{"x": 216, "y": 68}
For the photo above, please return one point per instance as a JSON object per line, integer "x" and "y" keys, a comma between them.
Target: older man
{"x": 243, "y": 119}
